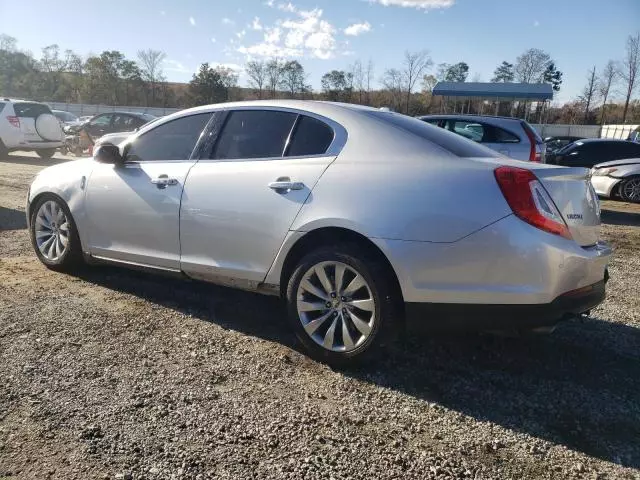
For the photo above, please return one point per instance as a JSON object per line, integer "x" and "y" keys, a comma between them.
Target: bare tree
{"x": 589, "y": 92}
{"x": 393, "y": 82}
{"x": 257, "y": 73}
{"x": 274, "y": 75}
{"x": 415, "y": 65}
{"x": 531, "y": 65}
{"x": 358, "y": 78}
{"x": 368, "y": 78}
{"x": 150, "y": 63}
{"x": 607, "y": 79}
{"x": 629, "y": 69}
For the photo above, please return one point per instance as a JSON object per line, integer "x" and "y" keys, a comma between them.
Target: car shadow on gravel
{"x": 579, "y": 387}
{"x": 616, "y": 217}
{"x": 11, "y": 219}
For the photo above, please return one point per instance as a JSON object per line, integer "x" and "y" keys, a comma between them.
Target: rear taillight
{"x": 15, "y": 121}
{"x": 530, "y": 201}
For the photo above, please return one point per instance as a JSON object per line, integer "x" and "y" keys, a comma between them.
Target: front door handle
{"x": 285, "y": 185}
{"x": 162, "y": 181}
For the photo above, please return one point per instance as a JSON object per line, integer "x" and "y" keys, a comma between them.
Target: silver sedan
{"x": 362, "y": 220}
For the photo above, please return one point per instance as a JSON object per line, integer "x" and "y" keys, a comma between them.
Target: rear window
{"x": 451, "y": 142}
{"x": 30, "y": 110}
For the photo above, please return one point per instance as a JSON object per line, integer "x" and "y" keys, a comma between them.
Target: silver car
{"x": 346, "y": 212}
{"x": 618, "y": 178}
{"x": 509, "y": 136}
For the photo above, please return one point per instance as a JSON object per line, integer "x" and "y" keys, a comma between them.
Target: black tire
{"x": 46, "y": 152}
{"x": 4, "y": 153}
{"x": 625, "y": 185}
{"x": 72, "y": 258}
{"x": 386, "y": 309}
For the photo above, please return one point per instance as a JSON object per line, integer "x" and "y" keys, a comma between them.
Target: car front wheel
{"x": 630, "y": 189}
{"x": 54, "y": 235}
{"x": 340, "y": 304}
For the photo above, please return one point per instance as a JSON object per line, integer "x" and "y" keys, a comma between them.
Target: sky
{"x": 331, "y": 34}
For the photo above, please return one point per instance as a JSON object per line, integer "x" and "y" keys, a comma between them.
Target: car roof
{"x": 470, "y": 117}
{"x": 604, "y": 140}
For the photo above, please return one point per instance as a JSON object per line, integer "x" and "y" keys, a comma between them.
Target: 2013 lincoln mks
{"x": 361, "y": 219}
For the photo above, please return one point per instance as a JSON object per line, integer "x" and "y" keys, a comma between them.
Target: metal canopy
{"x": 529, "y": 91}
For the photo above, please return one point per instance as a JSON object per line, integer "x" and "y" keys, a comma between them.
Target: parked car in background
{"x": 618, "y": 178}
{"x": 113, "y": 122}
{"x": 85, "y": 118}
{"x": 556, "y": 143}
{"x": 66, "y": 118}
{"x": 635, "y": 135}
{"x": 512, "y": 137}
{"x": 268, "y": 196}
{"x": 117, "y": 138}
{"x": 591, "y": 151}
{"x": 28, "y": 126}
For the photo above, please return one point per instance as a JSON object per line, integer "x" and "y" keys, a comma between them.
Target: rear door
{"x": 242, "y": 197}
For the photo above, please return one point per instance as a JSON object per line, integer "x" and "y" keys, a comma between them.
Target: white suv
{"x": 28, "y": 125}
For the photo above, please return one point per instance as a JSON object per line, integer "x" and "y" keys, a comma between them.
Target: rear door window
{"x": 101, "y": 120}
{"x": 124, "y": 123}
{"x": 30, "y": 110}
{"x": 254, "y": 134}
{"x": 471, "y": 130}
{"x": 310, "y": 137}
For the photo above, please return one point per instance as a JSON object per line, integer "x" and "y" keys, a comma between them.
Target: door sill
{"x": 136, "y": 265}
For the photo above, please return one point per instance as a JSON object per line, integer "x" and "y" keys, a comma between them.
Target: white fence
{"x": 81, "y": 109}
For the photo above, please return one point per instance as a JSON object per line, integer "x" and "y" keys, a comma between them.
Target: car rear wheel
{"x": 46, "y": 152}
{"x": 54, "y": 235}
{"x": 340, "y": 304}
{"x": 4, "y": 153}
{"x": 630, "y": 189}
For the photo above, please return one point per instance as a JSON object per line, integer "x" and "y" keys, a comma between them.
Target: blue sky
{"x": 324, "y": 34}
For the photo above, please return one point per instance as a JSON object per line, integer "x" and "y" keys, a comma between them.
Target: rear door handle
{"x": 285, "y": 185}
{"x": 162, "y": 181}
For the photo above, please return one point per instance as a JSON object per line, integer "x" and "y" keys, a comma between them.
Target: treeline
{"x": 112, "y": 79}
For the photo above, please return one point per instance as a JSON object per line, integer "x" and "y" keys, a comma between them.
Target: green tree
{"x": 503, "y": 73}
{"x": 337, "y": 85}
{"x": 553, "y": 76}
{"x": 293, "y": 78}
{"x": 211, "y": 85}
{"x": 457, "y": 72}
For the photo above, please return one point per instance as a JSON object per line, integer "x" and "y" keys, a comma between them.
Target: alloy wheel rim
{"x": 335, "y": 306}
{"x": 632, "y": 189}
{"x": 51, "y": 230}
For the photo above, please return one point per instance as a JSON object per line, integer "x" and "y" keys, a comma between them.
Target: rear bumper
{"x": 447, "y": 317}
{"x": 603, "y": 185}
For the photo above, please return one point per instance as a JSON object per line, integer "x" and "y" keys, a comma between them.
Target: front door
{"x": 239, "y": 203}
{"x": 133, "y": 209}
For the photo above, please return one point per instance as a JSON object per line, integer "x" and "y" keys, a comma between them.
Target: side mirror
{"x": 108, "y": 153}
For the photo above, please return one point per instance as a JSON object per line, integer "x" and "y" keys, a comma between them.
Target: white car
{"x": 346, "y": 212}
{"x": 618, "y": 178}
{"x": 30, "y": 126}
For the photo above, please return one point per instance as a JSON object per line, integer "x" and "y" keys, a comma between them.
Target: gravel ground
{"x": 115, "y": 374}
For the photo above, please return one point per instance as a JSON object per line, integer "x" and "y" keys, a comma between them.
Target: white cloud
{"x": 306, "y": 34}
{"x": 269, "y": 3}
{"x": 213, "y": 39}
{"x": 241, "y": 34}
{"x": 175, "y": 66}
{"x": 255, "y": 25}
{"x": 228, "y": 21}
{"x": 192, "y": 21}
{"x": 536, "y": 23}
{"x": 287, "y": 7}
{"x": 357, "y": 29}
{"x": 420, "y": 4}
{"x": 231, "y": 66}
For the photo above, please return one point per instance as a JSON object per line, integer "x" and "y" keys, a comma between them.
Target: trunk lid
{"x": 573, "y": 194}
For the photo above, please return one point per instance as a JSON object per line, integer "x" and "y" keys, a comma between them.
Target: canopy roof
{"x": 530, "y": 91}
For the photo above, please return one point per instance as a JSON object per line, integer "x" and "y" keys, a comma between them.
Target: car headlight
{"x": 601, "y": 172}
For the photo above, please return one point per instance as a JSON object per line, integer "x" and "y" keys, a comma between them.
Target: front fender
{"x": 68, "y": 181}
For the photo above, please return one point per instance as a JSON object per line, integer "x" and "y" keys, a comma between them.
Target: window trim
{"x": 335, "y": 147}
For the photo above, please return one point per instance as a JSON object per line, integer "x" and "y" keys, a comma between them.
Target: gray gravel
{"x": 117, "y": 374}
